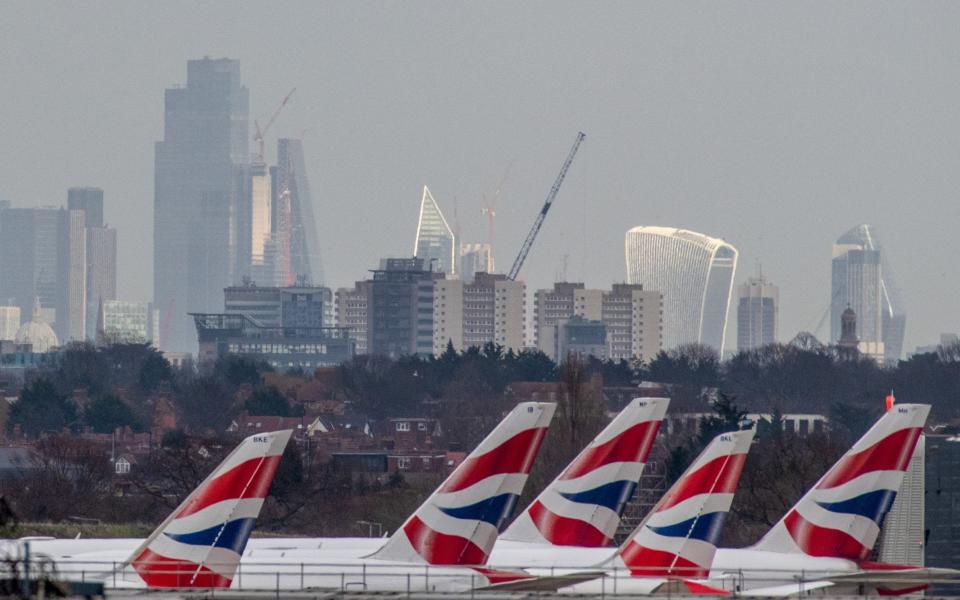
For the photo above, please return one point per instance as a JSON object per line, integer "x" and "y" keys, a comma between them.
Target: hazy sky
{"x": 776, "y": 126}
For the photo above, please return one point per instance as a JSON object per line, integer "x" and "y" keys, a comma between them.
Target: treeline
{"x": 128, "y": 384}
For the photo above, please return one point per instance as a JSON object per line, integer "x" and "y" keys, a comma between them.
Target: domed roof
{"x": 37, "y": 333}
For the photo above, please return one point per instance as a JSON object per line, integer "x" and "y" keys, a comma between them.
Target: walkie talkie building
{"x": 693, "y": 272}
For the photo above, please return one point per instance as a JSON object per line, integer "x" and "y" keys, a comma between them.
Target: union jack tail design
{"x": 679, "y": 536}
{"x": 459, "y": 523}
{"x": 200, "y": 544}
{"x": 841, "y": 516}
{"x": 583, "y": 506}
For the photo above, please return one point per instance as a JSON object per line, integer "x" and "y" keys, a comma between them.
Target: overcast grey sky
{"x": 776, "y": 126}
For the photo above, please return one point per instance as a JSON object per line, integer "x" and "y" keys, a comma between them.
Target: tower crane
{"x": 259, "y": 134}
{"x": 490, "y": 211}
{"x": 538, "y": 222}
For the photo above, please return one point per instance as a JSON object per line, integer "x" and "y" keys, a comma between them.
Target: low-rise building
{"x": 281, "y": 347}
{"x": 632, "y": 318}
{"x": 488, "y": 309}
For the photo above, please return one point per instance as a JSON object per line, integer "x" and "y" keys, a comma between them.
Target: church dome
{"x": 37, "y": 333}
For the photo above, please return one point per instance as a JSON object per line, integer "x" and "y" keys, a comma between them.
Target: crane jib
{"x": 538, "y": 222}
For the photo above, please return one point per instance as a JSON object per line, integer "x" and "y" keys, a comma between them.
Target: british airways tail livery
{"x": 583, "y": 506}
{"x": 200, "y": 544}
{"x": 840, "y": 516}
{"x": 459, "y": 523}
{"x": 679, "y": 537}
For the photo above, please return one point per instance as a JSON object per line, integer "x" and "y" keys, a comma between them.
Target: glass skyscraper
{"x": 435, "y": 241}
{"x": 693, "y": 272}
{"x": 757, "y": 311}
{"x": 291, "y": 174}
{"x": 198, "y": 180}
{"x": 862, "y": 279}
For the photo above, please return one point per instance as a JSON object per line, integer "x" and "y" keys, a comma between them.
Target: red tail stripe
{"x": 513, "y": 456}
{"x": 892, "y": 453}
{"x": 564, "y": 531}
{"x": 158, "y": 571}
{"x": 647, "y": 562}
{"x": 632, "y": 445}
{"x": 256, "y": 472}
{"x": 823, "y": 541}
{"x": 719, "y": 476}
{"x": 440, "y": 548}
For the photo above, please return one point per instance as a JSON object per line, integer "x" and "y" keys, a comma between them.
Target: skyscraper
{"x": 30, "y": 246}
{"x": 475, "y": 258}
{"x": 304, "y": 244}
{"x": 198, "y": 189}
{"x": 862, "y": 279}
{"x": 101, "y": 267}
{"x": 435, "y": 241}
{"x": 101, "y": 272}
{"x": 757, "y": 313}
{"x": 90, "y": 201}
{"x": 71, "y": 324}
{"x": 693, "y": 272}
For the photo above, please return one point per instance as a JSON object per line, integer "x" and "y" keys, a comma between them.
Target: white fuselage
{"x": 342, "y": 563}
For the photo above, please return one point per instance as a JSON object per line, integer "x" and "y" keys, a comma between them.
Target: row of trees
{"x": 122, "y": 384}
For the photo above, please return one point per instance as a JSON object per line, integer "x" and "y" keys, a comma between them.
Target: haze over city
{"x": 776, "y": 128}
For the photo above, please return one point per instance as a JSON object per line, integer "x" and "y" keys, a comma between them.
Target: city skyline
{"x": 779, "y": 174}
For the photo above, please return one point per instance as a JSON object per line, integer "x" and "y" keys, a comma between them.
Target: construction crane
{"x": 259, "y": 134}
{"x": 490, "y": 211}
{"x": 538, "y": 222}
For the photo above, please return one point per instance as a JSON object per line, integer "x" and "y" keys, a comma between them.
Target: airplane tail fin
{"x": 200, "y": 544}
{"x": 583, "y": 505}
{"x": 679, "y": 537}
{"x": 840, "y": 516}
{"x": 460, "y": 521}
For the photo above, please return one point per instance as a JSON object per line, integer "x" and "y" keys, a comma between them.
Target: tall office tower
{"x": 261, "y": 213}
{"x": 435, "y": 242}
{"x": 475, "y": 258}
{"x": 9, "y": 322}
{"x": 199, "y": 174}
{"x": 30, "y": 270}
{"x": 304, "y": 245}
{"x": 757, "y": 313}
{"x": 71, "y": 325}
{"x": 90, "y": 201}
{"x": 693, "y": 272}
{"x": 489, "y": 309}
{"x": 101, "y": 272}
{"x": 352, "y": 313}
{"x": 400, "y": 308}
{"x": 631, "y": 318}
{"x": 101, "y": 264}
{"x": 863, "y": 280}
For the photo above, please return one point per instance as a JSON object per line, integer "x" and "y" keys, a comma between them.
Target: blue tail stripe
{"x": 613, "y": 495}
{"x": 705, "y": 527}
{"x": 493, "y": 510}
{"x": 233, "y": 537}
{"x": 872, "y": 505}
